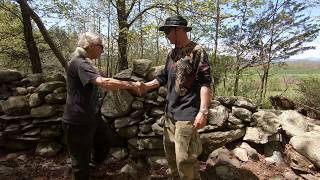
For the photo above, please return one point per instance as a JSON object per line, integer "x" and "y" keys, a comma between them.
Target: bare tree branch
{"x": 158, "y": 5}
{"x": 131, "y": 7}
{"x": 45, "y": 34}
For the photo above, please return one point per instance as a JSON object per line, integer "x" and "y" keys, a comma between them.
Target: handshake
{"x": 139, "y": 88}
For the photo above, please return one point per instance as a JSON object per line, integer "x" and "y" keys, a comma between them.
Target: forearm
{"x": 205, "y": 97}
{"x": 202, "y": 117}
{"x": 112, "y": 84}
{"x": 152, "y": 84}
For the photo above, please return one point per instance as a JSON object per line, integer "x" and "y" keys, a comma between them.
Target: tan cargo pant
{"x": 182, "y": 146}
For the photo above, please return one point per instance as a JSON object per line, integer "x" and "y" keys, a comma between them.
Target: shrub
{"x": 309, "y": 87}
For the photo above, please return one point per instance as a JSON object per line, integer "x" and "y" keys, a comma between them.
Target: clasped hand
{"x": 140, "y": 88}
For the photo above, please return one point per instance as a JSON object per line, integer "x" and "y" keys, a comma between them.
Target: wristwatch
{"x": 204, "y": 111}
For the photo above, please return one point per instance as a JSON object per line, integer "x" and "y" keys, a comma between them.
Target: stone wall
{"x": 31, "y": 109}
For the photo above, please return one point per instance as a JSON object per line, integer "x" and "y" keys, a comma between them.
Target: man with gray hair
{"x": 85, "y": 132}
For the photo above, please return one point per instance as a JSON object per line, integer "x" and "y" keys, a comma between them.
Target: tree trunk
{"x": 123, "y": 35}
{"x": 216, "y": 66}
{"x": 44, "y": 33}
{"x": 224, "y": 79}
{"x": 141, "y": 32}
{"x": 157, "y": 39}
{"x": 236, "y": 82}
{"x": 99, "y": 31}
{"x": 109, "y": 70}
{"x": 124, "y": 26}
{"x": 270, "y": 50}
{"x": 262, "y": 87}
{"x": 29, "y": 39}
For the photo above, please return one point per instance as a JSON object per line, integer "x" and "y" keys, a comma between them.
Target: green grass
{"x": 282, "y": 81}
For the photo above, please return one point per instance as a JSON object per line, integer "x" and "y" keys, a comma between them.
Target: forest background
{"x": 249, "y": 42}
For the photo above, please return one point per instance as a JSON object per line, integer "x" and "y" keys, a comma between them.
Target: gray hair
{"x": 85, "y": 39}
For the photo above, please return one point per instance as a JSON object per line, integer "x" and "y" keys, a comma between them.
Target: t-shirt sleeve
{"x": 87, "y": 73}
{"x": 162, "y": 77}
{"x": 203, "y": 71}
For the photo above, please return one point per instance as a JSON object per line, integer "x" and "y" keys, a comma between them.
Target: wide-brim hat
{"x": 175, "y": 21}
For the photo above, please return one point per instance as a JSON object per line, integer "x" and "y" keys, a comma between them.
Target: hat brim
{"x": 163, "y": 28}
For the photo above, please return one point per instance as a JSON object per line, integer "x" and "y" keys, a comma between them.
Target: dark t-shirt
{"x": 82, "y": 96}
{"x": 187, "y": 69}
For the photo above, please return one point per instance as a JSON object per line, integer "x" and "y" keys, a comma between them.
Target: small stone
{"x": 119, "y": 153}
{"x": 130, "y": 170}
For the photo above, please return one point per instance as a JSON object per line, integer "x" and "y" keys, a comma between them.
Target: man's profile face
{"x": 171, "y": 34}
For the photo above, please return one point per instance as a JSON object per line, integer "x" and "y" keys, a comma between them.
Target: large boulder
{"x": 53, "y": 98}
{"x": 1, "y": 110}
{"x": 227, "y": 101}
{"x": 124, "y": 122}
{"x": 128, "y": 132}
{"x": 21, "y": 91}
{"x": 44, "y": 111}
{"x": 233, "y": 120}
{"x": 308, "y": 145}
{"x": 48, "y": 149}
{"x": 223, "y": 156}
{"x": 154, "y": 71}
{"x": 244, "y": 152}
{"x": 141, "y": 66}
{"x": 117, "y": 103}
{"x": 246, "y": 103}
{"x": 124, "y": 74}
{"x": 34, "y": 79}
{"x": 4, "y": 92}
{"x": 155, "y": 161}
{"x": 9, "y": 75}
{"x": 298, "y": 161}
{"x": 242, "y": 113}
{"x": 16, "y": 105}
{"x": 12, "y": 119}
{"x": 48, "y": 87}
{"x": 218, "y": 115}
{"x": 35, "y": 100}
{"x": 293, "y": 123}
{"x": 56, "y": 77}
{"x": 268, "y": 124}
{"x": 47, "y": 121}
{"x": 214, "y": 140}
{"x": 281, "y": 102}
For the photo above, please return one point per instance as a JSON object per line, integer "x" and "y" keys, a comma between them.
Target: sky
{"x": 313, "y": 54}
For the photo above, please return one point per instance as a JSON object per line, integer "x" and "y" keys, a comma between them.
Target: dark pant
{"x": 84, "y": 141}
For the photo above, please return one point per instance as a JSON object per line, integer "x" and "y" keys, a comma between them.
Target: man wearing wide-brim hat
{"x": 175, "y": 21}
{"x": 188, "y": 79}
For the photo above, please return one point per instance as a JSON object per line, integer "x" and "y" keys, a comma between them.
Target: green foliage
{"x": 66, "y": 43}
{"x": 13, "y": 53}
{"x": 308, "y": 87}
{"x": 283, "y": 80}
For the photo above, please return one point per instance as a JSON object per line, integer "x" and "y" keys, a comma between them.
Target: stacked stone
{"x": 31, "y": 109}
{"x": 227, "y": 121}
{"x": 280, "y": 132}
{"x": 136, "y": 119}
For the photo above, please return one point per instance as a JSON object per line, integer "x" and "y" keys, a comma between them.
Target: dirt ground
{"x": 24, "y": 165}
